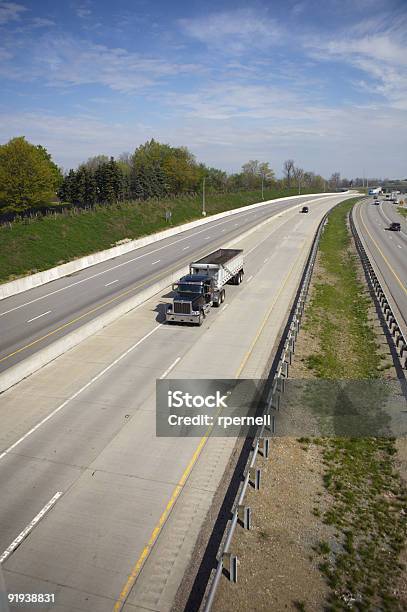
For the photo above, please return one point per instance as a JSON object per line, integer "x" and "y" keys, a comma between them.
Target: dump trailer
{"x": 204, "y": 286}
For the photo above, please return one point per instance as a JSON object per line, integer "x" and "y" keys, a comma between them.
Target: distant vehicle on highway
{"x": 395, "y": 227}
{"x": 305, "y": 209}
{"x": 376, "y": 202}
{"x": 203, "y": 287}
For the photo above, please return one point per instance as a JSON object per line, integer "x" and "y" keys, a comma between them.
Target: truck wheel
{"x": 241, "y": 276}
{"x": 222, "y": 296}
{"x": 218, "y": 301}
{"x": 200, "y": 320}
{"x": 238, "y": 278}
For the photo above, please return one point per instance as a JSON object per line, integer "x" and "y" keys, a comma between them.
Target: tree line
{"x": 29, "y": 178}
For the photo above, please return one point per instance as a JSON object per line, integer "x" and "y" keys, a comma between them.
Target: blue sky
{"x": 324, "y": 83}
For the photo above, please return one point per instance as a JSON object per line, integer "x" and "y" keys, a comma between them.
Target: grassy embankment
{"x": 367, "y": 497}
{"x": 45, "y": 242}
{"x": 402, "y": 211}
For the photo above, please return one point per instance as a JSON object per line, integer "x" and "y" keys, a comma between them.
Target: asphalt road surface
{"x": 95, "y": 509}
{"x": 388, "y": 249}
{"x": 31, "y": 320}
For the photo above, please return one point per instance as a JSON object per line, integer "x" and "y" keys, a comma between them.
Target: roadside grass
{"x": 338, "y": 313}
{"x": 402, "y": 211}
{"x": 367, "y": 497}
{"x": 31, "y": 246}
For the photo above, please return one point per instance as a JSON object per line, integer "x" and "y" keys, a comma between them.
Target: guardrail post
{"x": 264, "y": 445}
{"x": 229, "y": 562}
{"x": 255, "y": 477}
{"x": 244, "y": 515}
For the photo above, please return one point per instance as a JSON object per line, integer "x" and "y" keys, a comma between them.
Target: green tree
{"x": 109, "y": 181}
{"x": 94, "y": 162}
{"x": 28, "y": 177}
{"x": 159, "y": 170}
{"x": 56, "y": 170}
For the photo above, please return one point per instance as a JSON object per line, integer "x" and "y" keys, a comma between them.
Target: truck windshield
{"x": 189, "y": 288}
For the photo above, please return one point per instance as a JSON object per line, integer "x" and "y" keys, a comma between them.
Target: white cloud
{"x": 67, "y": 61}
{"x": 376, "y": 47}
{"x": 233, "y": 31}
{"x": 10, "y": 11}
{"x": 83, "y": 10}
{"x": 234, "y": 100}
{"x": 41, "y": 22}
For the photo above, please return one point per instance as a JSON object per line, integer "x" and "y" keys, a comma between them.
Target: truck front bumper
{"x": 181, "y": 318}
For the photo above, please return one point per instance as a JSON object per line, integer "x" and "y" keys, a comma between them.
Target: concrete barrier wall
{"x": 28, "y": 366}
{"x": 41, "y": 278}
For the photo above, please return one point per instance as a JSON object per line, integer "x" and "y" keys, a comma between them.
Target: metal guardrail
{"x": 389, "y": 317}
{"x": 274, "y": 388}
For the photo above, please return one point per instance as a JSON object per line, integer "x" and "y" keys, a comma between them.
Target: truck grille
{"x": 182, "y": 307}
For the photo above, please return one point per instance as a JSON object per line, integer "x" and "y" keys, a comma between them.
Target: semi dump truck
{"x": 204, "y": 286}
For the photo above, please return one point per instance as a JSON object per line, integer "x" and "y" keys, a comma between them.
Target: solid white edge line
{"x": 172, "y": 366}
{"x": 75, "y": 395}
{"x": 249, "y": 279}
{"x": 225, "y": 306}
{"x": 15, "y": 543}
{"x": 39, "y": 316}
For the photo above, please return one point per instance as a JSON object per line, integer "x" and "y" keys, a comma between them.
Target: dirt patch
{"x": 279, "y": 568}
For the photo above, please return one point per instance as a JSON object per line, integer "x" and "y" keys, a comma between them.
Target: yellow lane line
{"x": 382, "y": 254}
{"x": 146, "y": 550}
{"x": 132, "y": 577}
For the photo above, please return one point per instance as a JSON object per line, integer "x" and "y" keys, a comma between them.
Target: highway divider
{"x": 34, "y": 362}
{"x": 41, "y": 278}
{"x": 395, "y": 334}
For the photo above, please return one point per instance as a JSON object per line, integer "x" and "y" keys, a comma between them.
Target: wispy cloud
{"x": 10, "y": 11}
{"x": 42, "y": 22}
{"x": 228, "y": 101}
{"x": 234, "y": 31}
{"x": 376, "y": 47}
{"x": 83, "y": 9}
{"x": 68, "y": 61}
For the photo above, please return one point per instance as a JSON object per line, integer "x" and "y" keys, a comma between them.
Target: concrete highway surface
{"x": 387, "y": 250}
{"x": 31, "y": 320}
{"x": 94, "y": 508}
